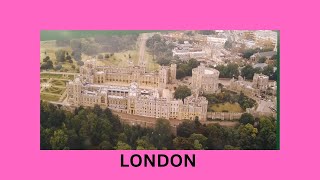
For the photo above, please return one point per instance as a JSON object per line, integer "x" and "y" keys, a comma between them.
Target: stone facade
{"x": 133, "y": 91}
{"x": 260, "y": 82}
{"x": 91, "y": 73}
{"x": 205, "y": 80}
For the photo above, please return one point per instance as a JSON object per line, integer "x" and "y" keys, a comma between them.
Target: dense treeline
{"x": 95, "y": 128}
{"x": 229, "y": 71}
{"x": 160, "y": 49}
{"x": 248, "y": 72}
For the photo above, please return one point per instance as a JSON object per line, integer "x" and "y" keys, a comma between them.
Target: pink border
{"x": 19, "y": 129}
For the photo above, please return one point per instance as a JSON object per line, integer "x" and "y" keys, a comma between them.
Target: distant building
{"x": 186, "y": 51}
{"x": 268, "y": 55}
{"x": 260, "y": 65}
{"x": 260, "y": 82}
{"x": 218, "y": 41}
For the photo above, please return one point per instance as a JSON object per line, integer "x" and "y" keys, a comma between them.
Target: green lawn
{"x": 226, "y": 107}
{"x": 49, "y": 97}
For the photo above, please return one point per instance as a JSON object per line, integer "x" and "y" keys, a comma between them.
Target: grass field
{"x": 49, "y": 97}
{"x": 226, "y": 107}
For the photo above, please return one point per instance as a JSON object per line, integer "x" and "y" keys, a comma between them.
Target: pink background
{"x": 21, "y": 22}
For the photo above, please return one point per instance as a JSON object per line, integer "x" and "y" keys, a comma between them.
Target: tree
{"x": 46, "y": 59}
{"x": 183, "y": 143}
{"x": 47, "y": 65}
{"x": 161, "y": 136}
{"x": 68, "y": 57}
{"x": 60, "y": 55}
{"x": 229, "y": 71}
{"x": 144, "y": 144}
{"x": 262, "y": 59}
{"x": 247, "y": 136}
{"x": 199, "y": 140}
{"x": 246, "y": 118}
{"x": 45, "y": 134}
{"x": 182, "y": 92}
{"x": 122, "y": 146}
{"x": 59, "y": 140}
{"x": 248, "y": 53}
{"x": 267, "y": 137}
{"x": 186, "y": 128}
{"x": 105, "y": 145}
{"x": 245, "y": 102}
{"x": 269, "y": 71}
{"x": 180, "y": 74}
{"x": 248, "y": 72}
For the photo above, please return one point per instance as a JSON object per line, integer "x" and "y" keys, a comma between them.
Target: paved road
{"x": 142, "y": 48}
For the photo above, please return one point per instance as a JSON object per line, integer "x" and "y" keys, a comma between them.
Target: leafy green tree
{"x": 180, "y": 74}
{"x": 199, "y": 140}
{"x": 105, "y": 145}
{"x": 245, "y": 102}
{"x": 247, "y": 136}
{"x": 162, "y": 135}
{"x": 267, "y": 134}
{"x": 229, "y": 71}
{"x": 46, "y": 59}
{"x": 182, "y": 92}
{"x": 216, "y": 136}
{"x": 269, "y": 71}
{"x": 59, "y": 140}
{"x": 183, "y": 143}
{"x": 144, "y": 144}
{"x": 186, "y": 128}
{"x": 197, "y": 145}
{"x": 248, "y": 72}
{"x": 246, "y": 118}
{"x": 45, "y": 135}
{"x": 122, "y": 146}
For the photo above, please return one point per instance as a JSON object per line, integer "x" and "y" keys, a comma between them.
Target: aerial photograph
{"x": 159, "y": 90}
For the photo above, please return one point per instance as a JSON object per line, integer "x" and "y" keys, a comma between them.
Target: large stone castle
{"x": 132, "y": 90}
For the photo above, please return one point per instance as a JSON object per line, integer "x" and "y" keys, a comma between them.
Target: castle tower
{"x": 163, "y": 77}
{"x": 173, "y": 73}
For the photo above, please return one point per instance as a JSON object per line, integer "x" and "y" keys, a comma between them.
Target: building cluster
{"x": 260, "y": 84}
{"x": 132, "y": 90}
{"x": 186, "y": 51}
